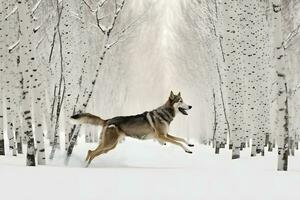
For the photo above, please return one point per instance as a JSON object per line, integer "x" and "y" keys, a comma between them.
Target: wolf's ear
{"x": 172, "y": 96}
{"x": 179, "y": 95}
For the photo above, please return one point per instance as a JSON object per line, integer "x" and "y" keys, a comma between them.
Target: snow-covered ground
{"x": 146, "y": 170}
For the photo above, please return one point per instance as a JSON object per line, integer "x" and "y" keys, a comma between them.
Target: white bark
{"x": 39, "y": 70}
{"x": 282, "y": 100}
{"x": 72, "y": 70}
{"x": 60, "y": 87}
{"x": 265, "y": 74}
{"x": 233, "y": 73}
{"x": 256, "y": 70}
{"x": 26, "y": 63}
{"x": 224, "y": 128}
{"x": 10, "y": 65}
{"x": 2, "y": 57}
{"x": 2, "y": 148}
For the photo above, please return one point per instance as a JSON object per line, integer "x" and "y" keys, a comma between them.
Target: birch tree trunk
{"x": 2, "y": 57}
{"x": 15, "y": 77}
{"x": 264, "y": 74}
{"x": 26, "y": 63}
{"x": 106, "y": 45}
{"x": 70, "y": 64}
{"x": 249, "y": 28}
{"x": 61, "y": 85}
{"x": 282, "y": 100}
{"x": 224, "y": 127}
{"x": 55, "y": 78}
{"x": 38, "y": 71}
{"x": 215, "y": 58}
{"x": 233, "y": 75}
{"x": 10, "y": 65}
{"x": 2, "y": 146}
{"x": 256, "y": 69}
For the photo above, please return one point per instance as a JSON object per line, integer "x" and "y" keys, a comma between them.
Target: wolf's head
{"x": 177, "y": 102}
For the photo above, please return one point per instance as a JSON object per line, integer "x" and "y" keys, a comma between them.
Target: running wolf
{"x": 148, "y": 125}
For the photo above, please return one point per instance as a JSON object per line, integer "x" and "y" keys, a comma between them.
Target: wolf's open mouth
{"x": 182, "y": 110}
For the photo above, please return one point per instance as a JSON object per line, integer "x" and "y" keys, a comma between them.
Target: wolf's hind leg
{"x": 100, "y": 151}
{"x": 109, "y": 141}
{"x": 88, "y": 155}
{"x": 91, "y": 151}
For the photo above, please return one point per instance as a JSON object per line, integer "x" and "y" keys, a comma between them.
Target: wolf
{"x": 148, "y": 125}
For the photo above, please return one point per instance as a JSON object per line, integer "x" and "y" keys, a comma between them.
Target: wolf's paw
{"x": 191, "y": 145}
{"x": 86, "y": 164}
{"x": 188, "y": 151}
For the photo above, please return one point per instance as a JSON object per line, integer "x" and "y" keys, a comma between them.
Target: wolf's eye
{"x": 180, "y": 101}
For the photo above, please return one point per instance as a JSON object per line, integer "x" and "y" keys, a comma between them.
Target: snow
{"x": 148, "y": 170}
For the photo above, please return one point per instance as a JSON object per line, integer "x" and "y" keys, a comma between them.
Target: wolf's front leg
{"x": 161, "y": 142}
{"x": 166, "y": 139}
{"x": 179, "y": 139}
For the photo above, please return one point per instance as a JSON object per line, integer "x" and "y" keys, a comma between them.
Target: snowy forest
{"x": 235, "y": 61}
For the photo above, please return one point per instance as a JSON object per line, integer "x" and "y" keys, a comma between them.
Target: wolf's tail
{"x": 87, "y": 118}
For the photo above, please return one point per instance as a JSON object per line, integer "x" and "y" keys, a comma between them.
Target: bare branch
{"x": 292, "y": 92}
{"x": 117, "y": 13}
{"x": 102, "y": 3}
{"x": 56, "y": 29}
{"x": 52, "y": 46}
{"x": 103, "y": 30}
{"x": 13, "y": 46}
{"x": 288, "y": 42}
{"x": 74, "y": 14}
{"x": 90, "y": 8}
{"x": 98, "y": 6}
{"x": 39, "y": 42}
{"x": 35, "y": 7}
{"x": 122, "y": 32}
{"x": 222, "y": 98}
{"x": 11, "y": 13}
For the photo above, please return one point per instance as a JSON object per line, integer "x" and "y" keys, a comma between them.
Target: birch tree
{"x": 108, "y": 40}
{"x": 291, "y": 28}
{"x": 205, "y": 18}
{"x": 55, "y": 76}
{"x": 2, "y": 57}
{"x": 38, "y": 79}
{"x": 14, "y": 78}
{"x": 223, "y": 124}
{"x": 233, "y": 73}
{"x": 27, "y": 58}
{"x": 265, "y": 73}
{"x": 60, "y": 86}
{"x": 70, "y": 61}
{"x": 10, "y": 66}
{"x": 282, "y": 100}
{"x": 256, "y": 69}
{"x": 2, "y": 147}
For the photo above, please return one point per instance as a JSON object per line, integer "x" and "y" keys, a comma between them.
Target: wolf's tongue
{"x": 182, "y": 111}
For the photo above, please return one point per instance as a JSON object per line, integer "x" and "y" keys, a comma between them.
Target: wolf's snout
{"x": 190, "y": 107}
